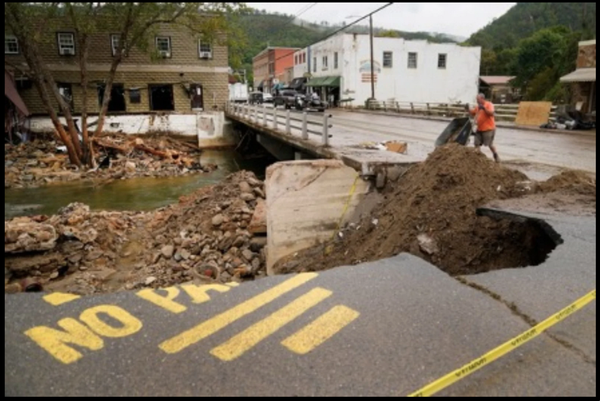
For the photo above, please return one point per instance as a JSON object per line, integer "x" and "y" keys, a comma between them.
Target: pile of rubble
{"x": 40, "y": 162}
{"x": 217, "y": 234}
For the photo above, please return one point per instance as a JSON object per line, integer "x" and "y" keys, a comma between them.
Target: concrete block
{"x": 306, "y": 200}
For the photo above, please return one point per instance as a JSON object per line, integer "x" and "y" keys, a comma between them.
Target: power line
{"x": 343, "y": 28}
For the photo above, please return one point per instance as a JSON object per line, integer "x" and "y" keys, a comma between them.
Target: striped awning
{"x": 580, "y": 75}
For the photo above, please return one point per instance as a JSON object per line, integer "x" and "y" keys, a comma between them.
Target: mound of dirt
{"x": 571, "y": 181}
{"x": 432, "y": 214}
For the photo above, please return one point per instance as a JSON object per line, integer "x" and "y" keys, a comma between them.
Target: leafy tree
{"x": 134, "y": 23}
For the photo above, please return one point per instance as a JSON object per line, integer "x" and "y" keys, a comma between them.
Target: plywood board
{"x": 533, "y": 113}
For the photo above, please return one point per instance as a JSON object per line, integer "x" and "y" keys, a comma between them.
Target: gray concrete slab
{"x": 415, "y": 324}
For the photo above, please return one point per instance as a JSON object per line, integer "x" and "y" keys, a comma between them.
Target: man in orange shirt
{"x": 486, "y": 125}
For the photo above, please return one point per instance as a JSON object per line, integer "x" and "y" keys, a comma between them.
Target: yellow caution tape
{"x": 504, "y": 349}
{"x": 329, "y": 248}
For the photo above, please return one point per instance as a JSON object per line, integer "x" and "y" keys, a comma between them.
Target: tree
{"x": 133, "y": 23}
{"x": 388, "y": 34}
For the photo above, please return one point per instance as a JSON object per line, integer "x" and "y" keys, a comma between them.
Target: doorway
{"x": 117, "y": 97}
{"x": 161, "y": 98}
{"x": 197, "y": 96}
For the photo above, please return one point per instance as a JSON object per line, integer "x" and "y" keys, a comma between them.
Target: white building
{"x": 405, "y": 71}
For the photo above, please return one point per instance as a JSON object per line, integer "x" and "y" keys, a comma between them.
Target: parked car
{"x": 267, "y": 98}
{"x": 286, "y": 98}
{"x": 308, "y": 103}
{"x": 256, "y": 98}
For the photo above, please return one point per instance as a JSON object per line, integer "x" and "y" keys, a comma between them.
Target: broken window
{"x": 135, "y": 96}
{"x": 163, "y": 46}
{"x": 66, "y": 91}
{"x": 412, "y": 60}
{"x": 66, "y": 44}
{"x": 161, "y": 98}
{"x": 388, "y": 59}
{"x": 11, "y": 45}
{"x": 204, "y": 49}
{"x": 117, "y": 98}
{"x": 442, "y": 59}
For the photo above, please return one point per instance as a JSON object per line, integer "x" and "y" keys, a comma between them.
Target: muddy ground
{"x": 432, "y": 213}
{"x": 40, "y": 162}
{"x": 209, "y": 236}
{"x": 218, "y": 234}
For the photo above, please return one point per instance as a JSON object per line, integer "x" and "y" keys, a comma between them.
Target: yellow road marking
{"x": 128, "y": 323}
{"x": 55, "y": 341}
{"x": 321, "y": 330}
{"x": 198, "y": 293}
{"x": 59, "y": 298}
{"x": 211, "y": 326}
{"x": 165, "y": 302}
{"x": 239, "y": 344}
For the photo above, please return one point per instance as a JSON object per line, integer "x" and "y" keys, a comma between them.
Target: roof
{"x": 587, "y": 43}
{"x": 496, "y": 79}
{"x": 10, "y": 91}
{"x": 580, "y": 75}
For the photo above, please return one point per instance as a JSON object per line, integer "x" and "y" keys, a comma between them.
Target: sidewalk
{"x": 501, "y": 124}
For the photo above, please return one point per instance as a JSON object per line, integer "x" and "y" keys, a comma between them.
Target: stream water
{"x": 133, "y": 194}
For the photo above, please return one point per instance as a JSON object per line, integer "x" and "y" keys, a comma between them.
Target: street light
{"x": 372, "y": 52}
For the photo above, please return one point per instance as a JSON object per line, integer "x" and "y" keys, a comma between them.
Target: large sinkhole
{"x": 491, "y": 240}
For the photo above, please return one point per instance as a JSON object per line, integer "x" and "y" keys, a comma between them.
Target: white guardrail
{"x": 272, "y": 118}
{"x": 504, "y": 112}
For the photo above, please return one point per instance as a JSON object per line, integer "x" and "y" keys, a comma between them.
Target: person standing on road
{"x": 486, "y": 125}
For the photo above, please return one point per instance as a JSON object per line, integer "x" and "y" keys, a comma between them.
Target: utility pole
{"x": 372, "y": 59}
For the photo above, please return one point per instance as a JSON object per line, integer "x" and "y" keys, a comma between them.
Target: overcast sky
{"x": 461, "y": 19}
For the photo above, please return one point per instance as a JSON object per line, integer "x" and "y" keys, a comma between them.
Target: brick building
{"x": 583, "y": 79}
{"x": 270, "y": 67}
{"x": 188, "y": 74}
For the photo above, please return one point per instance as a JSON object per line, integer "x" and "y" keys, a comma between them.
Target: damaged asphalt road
{"x": 392, "y": 327}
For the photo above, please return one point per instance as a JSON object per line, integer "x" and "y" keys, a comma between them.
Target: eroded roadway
{"x": 383, "y": 328}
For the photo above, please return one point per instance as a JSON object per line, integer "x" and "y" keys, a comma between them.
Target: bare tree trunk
{"x": 107, "y": 91}
{"x": 113, "y": 69}
{"x": 60, "y": 132}
{"x": 88, "y": 149}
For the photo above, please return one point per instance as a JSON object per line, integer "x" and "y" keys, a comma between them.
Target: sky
{"x": 462, "y": 19}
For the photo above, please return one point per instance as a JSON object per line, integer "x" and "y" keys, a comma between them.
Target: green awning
{"x": 325, "y": 81}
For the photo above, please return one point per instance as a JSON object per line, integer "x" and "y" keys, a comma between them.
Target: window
{"x": 303, "y": 57}
{"x": 314, "y": 64}
{"x": 325, "y": 62}
{"x": 135, "y": 96}
{"x": 412, "y": 60}
{"x": 442, "y": 60}
{"x": 336, "y": 61}
{"x": 163, "y": 46}
{"x": 66, "y": 44}
{"x": 11, "y": 45}
{"x": 66, "y": 91}
{"x": 204, "y": 49}
{"x": 114, "y": 44}
{"x": 388, "y": 59}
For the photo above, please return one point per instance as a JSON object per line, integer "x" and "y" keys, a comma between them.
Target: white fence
{"x": 504, "y": 112}
{"x": 286, "y": 122}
